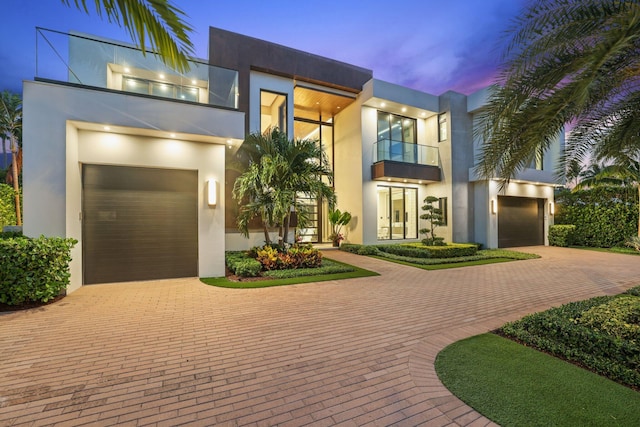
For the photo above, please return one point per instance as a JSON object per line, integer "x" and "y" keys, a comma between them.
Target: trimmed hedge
{"x": 571, "y": 332}
{"x": 34, "y": 270}
{"x": 239, "y": 263}
{"x": 562, "y": 235}
{"x": 604, "y": 216}
{"x": 328, "y": 267}
{"x": 414, "y": 250}
{"x": 7, "y": 205}
{"x": 450, "y": 250}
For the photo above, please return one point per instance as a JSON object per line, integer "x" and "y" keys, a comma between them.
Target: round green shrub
{"x": 248, "y": 267}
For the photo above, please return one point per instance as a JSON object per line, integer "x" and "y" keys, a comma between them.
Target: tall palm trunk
{"x": 14, "y": 171}
{"x": 4, "y": 153}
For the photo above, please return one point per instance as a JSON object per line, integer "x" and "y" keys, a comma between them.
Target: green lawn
{"x": 223, "y": 282}
{"x": 448, "y": 264}
{"x": 515, "y": 385}
{"x": 485, "y": 256}
{"x": 616, "y": 250}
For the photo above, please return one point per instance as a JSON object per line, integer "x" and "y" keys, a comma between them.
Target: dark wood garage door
{"x": 139, "y": 223}
{"x": 520, "y": 221}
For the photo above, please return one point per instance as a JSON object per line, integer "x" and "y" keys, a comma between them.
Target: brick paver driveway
{"x": 352, "y": 352}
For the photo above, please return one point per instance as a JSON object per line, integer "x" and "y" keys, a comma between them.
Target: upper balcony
{"x": 405, "y": 162}
{"x": 87, "y": 61}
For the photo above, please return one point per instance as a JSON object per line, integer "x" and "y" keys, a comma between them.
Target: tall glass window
{"x": 396, "y": 138}
{"x": 397, "y": 213}
{"x": 273, "y": 111}
{"x": 442, "y": 127}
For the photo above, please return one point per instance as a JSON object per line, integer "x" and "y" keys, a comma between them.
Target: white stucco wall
{"x": 348, "y": 175}
{"x": 61, "y": 131}
{"x": 262, "y": 81}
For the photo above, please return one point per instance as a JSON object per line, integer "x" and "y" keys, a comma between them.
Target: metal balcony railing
{"x": 398, "y": 151}
{"x": 75, "y": 58}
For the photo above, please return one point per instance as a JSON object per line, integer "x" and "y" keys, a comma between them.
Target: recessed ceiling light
{"x": 161, "y": 76}
{"x": 107, "y": 128}
{"x": 172, "y": 135}
{"x": 419, "y": 182}
{"x": 127, "y": 69}
{"x": 228, "y": 141}
{"x": 383, "y": 104}
{"x": 405, "y": 180}
{"x": 423, "y": 114}
{"x": 193, "y": 82}
{"x": 404, "y": 109}
{"x": 389, "y": 179}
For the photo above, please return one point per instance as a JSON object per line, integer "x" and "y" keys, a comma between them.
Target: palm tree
{"x": 565, "y": 62}
{"x": 11, "y": 127}
{"x": 158, "y": 21}
{"x": 280, "y": 173}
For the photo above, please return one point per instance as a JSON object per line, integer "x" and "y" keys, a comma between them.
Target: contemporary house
{"x": 130, "y": 158}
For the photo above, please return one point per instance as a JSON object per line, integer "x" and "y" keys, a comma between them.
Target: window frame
{"x": 403, "y": 217}
{"x": 443, "y": 134}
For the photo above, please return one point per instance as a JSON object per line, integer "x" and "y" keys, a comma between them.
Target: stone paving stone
{"x": 351, "y": 352}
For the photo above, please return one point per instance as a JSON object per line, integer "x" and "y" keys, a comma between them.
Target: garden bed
{"x": 455, "y": 255}
{"x": 601, "y": 334}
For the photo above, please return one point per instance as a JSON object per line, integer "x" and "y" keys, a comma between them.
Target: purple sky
{"x": 430, "y": 45}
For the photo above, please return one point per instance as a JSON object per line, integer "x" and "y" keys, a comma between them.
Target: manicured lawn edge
{"x": 486, "y": 256}
{"x": 516, "y": 385}
{"x": 448, "y": 264}
{"x": 615, "y": 250}
{"x": 223, "y": 282}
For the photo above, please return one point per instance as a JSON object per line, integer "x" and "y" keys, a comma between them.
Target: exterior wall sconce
{"x": 212, "y": 192}
{"x": 552, "y": 208}
{"x": 494, "y": 206}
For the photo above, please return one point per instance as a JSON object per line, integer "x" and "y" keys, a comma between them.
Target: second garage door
{"x": 520, "y": 221}
{"x": 139, "y": 223}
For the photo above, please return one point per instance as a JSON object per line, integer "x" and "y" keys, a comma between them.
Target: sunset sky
{"x": 433, "y": 46}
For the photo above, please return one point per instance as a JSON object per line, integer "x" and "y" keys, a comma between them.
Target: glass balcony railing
{"x": 75, "y": 58}
{"x": 398, "y": 151}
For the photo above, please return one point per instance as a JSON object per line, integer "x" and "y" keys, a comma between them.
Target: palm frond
{"x": 157, "y": 23}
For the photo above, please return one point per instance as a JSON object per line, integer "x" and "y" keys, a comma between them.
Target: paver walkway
{"x": 353, "y": 352}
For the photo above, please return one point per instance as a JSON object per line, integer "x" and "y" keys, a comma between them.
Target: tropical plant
{"x": 11, "y": 126}
{"x": 634, "y": 242}
{"x": 338, "y": 220}
{"x": 565, "y": 62}
{"x": 625, "y": 172}
{"x": 158, "y": 21}
{"x": 433, "y": 214}
{"x": 281, "y": 173}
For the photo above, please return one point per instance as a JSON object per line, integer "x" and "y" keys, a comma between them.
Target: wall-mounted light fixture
{"x": 494, "y": 206}
{"x": 552, "y": 208}
{"x": 212, "y": 192}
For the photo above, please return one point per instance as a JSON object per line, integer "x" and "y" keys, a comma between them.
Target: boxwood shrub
{"x": 561, "y": 235}
{"x": 570, "y": 332}
{"x": 451, "y": 250}
{"x": 34, "y": 270}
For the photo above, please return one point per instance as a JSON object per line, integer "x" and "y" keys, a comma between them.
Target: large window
{"x": 156, "y": 88}
{"x": 396, "y": 138}
{"x": 397, "y": 213}
{"x": 273, "y": 111}
{"x": 442, "y": 127}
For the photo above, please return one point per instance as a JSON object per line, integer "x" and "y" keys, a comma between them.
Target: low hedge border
{"x": 479, "y": 255}
{"x": 559, "y": 331}
{"x": 328, "y": 267}
{"x": 34, "y": 270}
